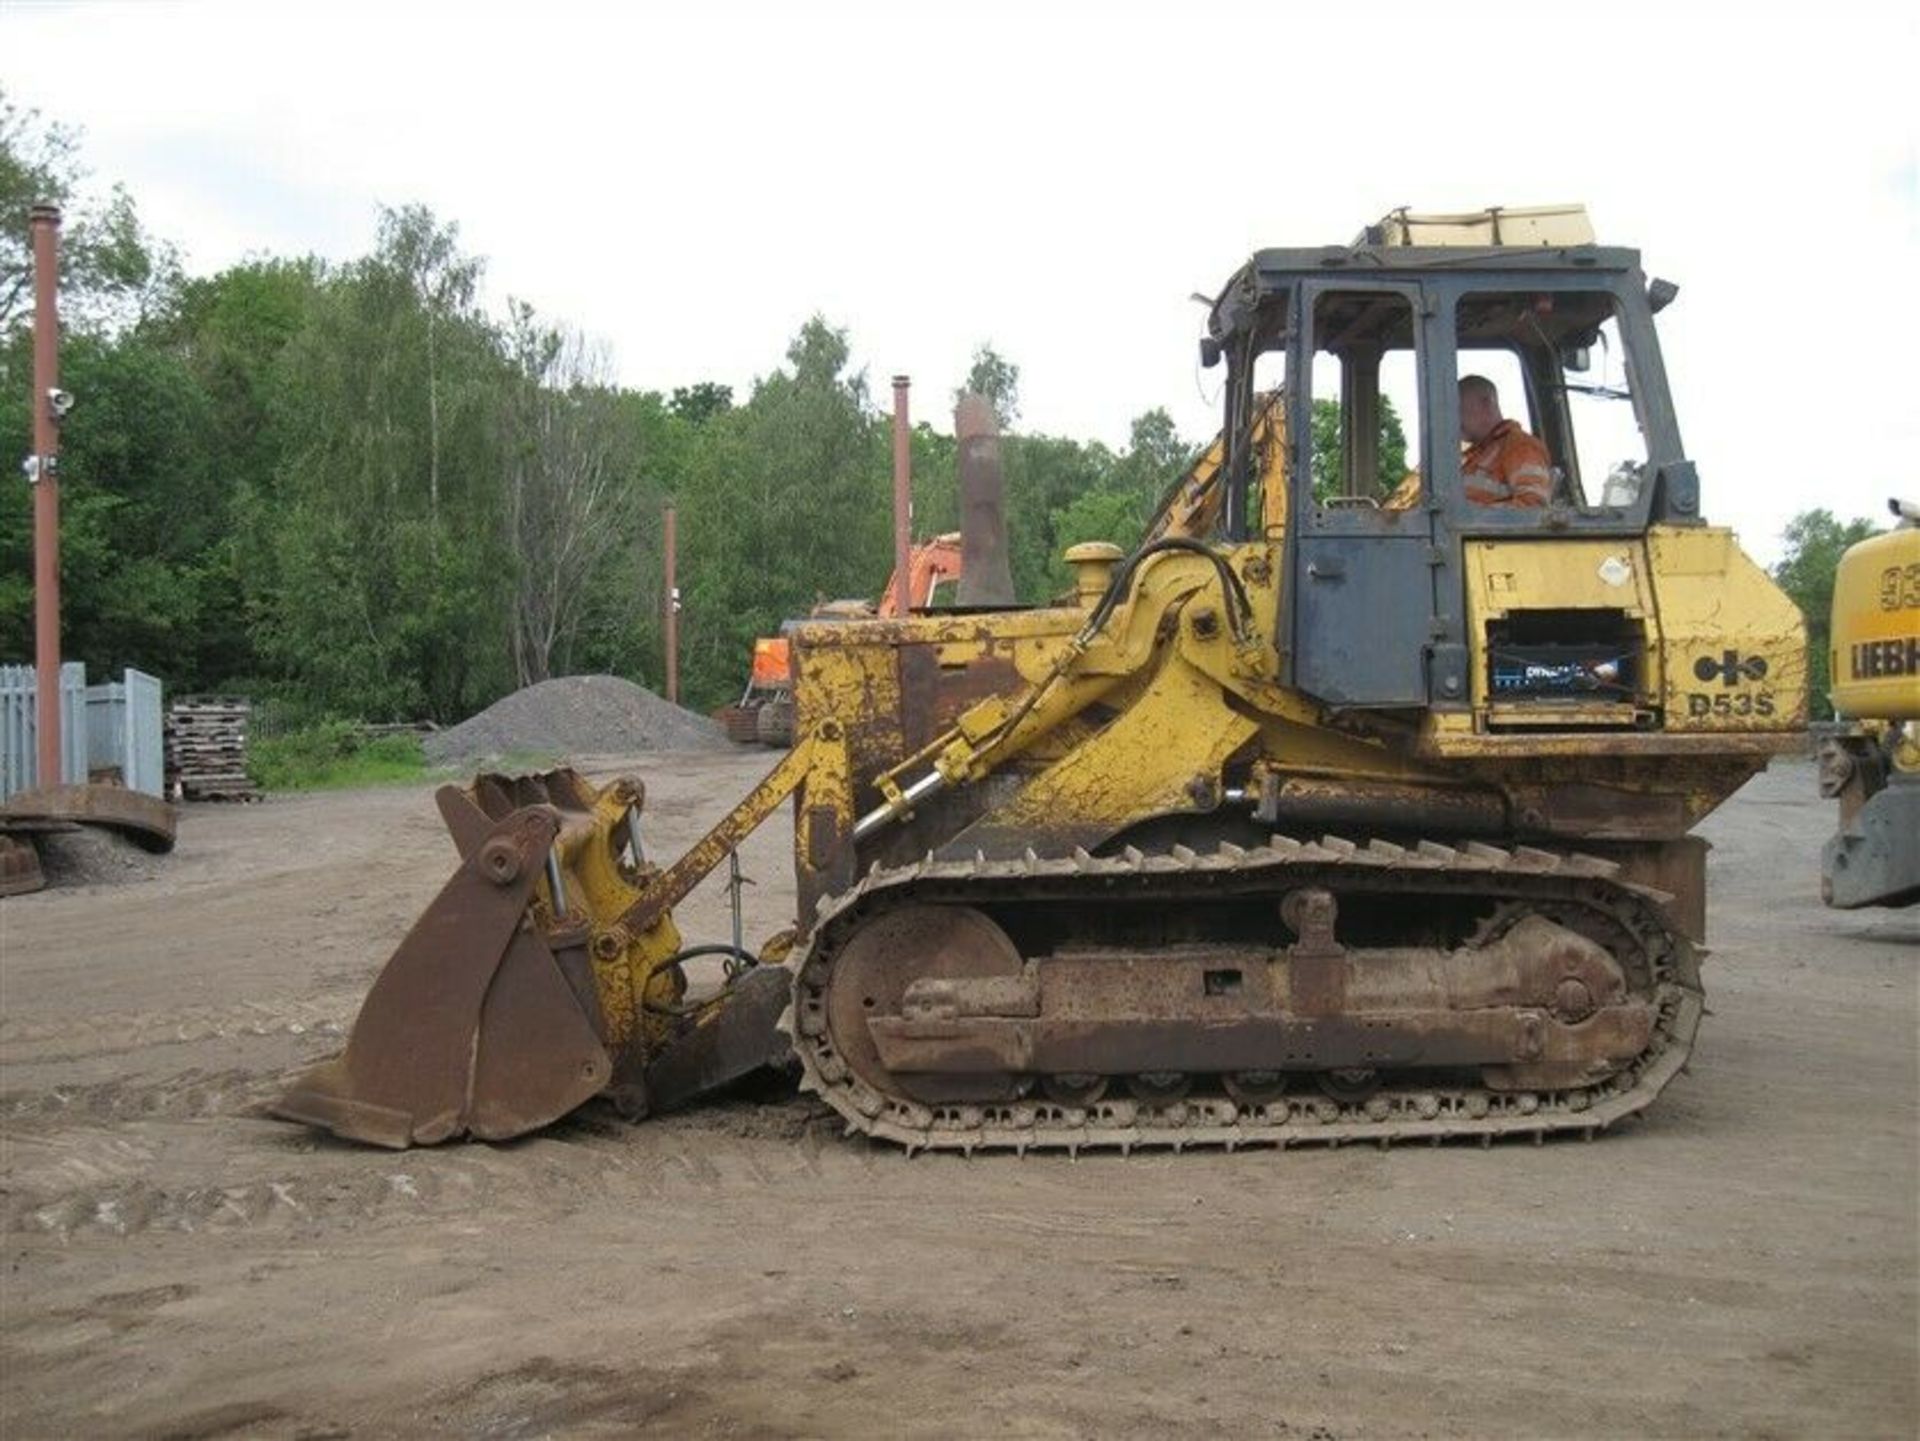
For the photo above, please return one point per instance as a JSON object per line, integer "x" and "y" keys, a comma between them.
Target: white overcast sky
{"x": 689, "y": 183}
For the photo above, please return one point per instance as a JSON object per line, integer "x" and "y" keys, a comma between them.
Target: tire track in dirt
{"x": 102, "y": 1178}
{"x": 117, "y": 1033}
{"x": 190, "y": 1095}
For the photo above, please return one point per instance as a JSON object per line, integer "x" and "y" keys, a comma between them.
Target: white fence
{"x": 116, "y": 725}
{"x": 124, "y": 729}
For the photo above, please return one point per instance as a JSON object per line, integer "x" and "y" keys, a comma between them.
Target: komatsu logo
{"x": 1878, "y": 659}
{"x": 1731, "y": 667}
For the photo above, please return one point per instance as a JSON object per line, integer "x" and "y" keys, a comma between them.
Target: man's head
{"x": 1479, "y": 408}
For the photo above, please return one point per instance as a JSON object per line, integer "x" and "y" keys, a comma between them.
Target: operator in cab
{"x": 1502, "y": 465}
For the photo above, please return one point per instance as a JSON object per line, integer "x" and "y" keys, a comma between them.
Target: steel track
{"x": 1662, "y": 964}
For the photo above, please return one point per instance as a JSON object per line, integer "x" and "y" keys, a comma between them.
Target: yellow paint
{"x": 1876, "y": 628}
{"x": 1725, "y": 650}
{"x": 1735, "y": 645}
{"x": 1504, "y": 576}
{"x": 599, "y": 887}
{"x": 1085, "y": 734}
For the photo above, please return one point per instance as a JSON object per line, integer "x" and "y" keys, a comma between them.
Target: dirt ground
{"x": 1742, "y": 1262}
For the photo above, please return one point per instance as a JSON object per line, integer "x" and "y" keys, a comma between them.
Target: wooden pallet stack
{"x": 207, "y": 749}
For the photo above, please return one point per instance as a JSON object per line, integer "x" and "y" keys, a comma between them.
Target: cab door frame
{"x": 1360, "y": 581}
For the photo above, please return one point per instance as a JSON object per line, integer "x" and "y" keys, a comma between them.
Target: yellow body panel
{"x": 1725, "y": 650}
{"x": 1504, "y": 576}
{"x": 1876, "y": 628}
{"x": 1736, "y": 646}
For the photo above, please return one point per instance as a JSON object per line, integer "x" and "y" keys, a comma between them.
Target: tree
{"x": 111, "y": 271}
{"x": 700, "y": 402}
{"x": 998, "y": 380}
{"x": 443, "y": 283}
{"x": 566, "y": 506}
{"x": 375, "y": 573}
{"x": 1329, "y": 467}
{"x": 1815, "y": 541}
{"x": 1121, "y": 499}
{"x": 785, "y": 501}
{"x": 1044, "y": 476}
{"x": 141, "y": 514}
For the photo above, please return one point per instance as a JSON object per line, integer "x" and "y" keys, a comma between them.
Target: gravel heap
{"x": 95, "y": 856}
{"x": 578, "y": 715}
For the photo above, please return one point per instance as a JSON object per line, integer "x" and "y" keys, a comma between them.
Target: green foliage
{"x": 788, "y": 502}
{"x": 111, "y": 271}
{"x": 697, "y": 403}
{"x": 1815, "y": 541}
{"x": 1329, "y": 470}
{"x": 333, "y": 755}
{"x": 996, "y": 379}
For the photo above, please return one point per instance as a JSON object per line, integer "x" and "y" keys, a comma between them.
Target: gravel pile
{"x": 577, "y": 715}
{"x": 95, "y": 856}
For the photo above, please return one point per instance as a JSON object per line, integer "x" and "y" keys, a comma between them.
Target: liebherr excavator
{"x": 1312, "y": 819}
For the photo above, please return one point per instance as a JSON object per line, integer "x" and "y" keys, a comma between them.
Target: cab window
{"x": 1365, "y": 399}
{"x": 1561, "y": 371}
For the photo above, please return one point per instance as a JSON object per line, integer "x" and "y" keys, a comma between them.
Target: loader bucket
{"x": 471, "y": 1028}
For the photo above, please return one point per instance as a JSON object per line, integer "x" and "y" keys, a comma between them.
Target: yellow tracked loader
{"x": 1316, "y": 817}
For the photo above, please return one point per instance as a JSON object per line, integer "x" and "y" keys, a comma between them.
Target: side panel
{"x": 1504, "y": 576}
{"x": 1736, "y": 647}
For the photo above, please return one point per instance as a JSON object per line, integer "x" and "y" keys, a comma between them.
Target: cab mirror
{"x": 1577, "y": 358}
{"x": 1209, "y": 352}
{"x": 1660, "y": 294}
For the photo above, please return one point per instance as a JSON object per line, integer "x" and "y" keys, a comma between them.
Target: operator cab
{"x": 1367, "y": 344}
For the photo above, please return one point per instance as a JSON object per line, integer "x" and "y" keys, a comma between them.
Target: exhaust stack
{"x": 985, "y": 576}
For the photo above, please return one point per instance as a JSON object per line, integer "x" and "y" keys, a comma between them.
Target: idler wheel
{"x": 889, "y": 953}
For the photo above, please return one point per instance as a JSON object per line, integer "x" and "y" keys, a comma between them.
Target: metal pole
{"x": 44, "y": 470}
{"x": 902, "y": 499}
{"x": 734, "y": 883}
{"x": 673, "y": 613}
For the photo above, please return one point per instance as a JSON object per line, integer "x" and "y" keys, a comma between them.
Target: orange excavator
{"x": 764, "y": 712}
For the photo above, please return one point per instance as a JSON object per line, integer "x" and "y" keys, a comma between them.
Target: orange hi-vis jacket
{"x": 1509, "y": 467}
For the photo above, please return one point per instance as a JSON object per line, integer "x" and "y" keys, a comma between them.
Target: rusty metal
{"x": 1568, "y": 1008}
{"x": 986, "y": 577}
{"x": 946, "y": 944}
{"x": 902, "y": 498}
{"x": 1601, "y": 812}
{"x": 1403, "y": 1038}
{"x": 1318, "y": 964}
{"x": 1533, "y": 992}
{"x": 44, "y": 468}
{"x": 935, "y": 691}
{"x": 471, "y": 1028}
{"x": 729, "y": 1042}
{"x": 20, "y": 872}
{"x": 146, "y": 820}
{"x": 1673, "y": 874}
{"x": 1404, "y": 807}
